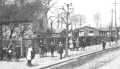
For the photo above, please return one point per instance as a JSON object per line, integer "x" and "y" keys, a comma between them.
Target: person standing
{"x": 40, "y": 49}
{"x": 45, "y": 48}
{"x": 17, "y": 52}
{"x": 103, "y": 44}
{"x": 83, "y": 44}
{"x": 77, "y": 43}
{"x": 60, "y": 51}
{"x": 52, "y": 49}
{"x": 74, "y": 44}
{"x": 29, "y": 55}
{"x": 71, "y": 44}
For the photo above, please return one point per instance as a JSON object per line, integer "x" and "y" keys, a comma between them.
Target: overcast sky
{"x": 90, "y": 7}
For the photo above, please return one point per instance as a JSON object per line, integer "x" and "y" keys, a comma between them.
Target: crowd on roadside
{"x": 60, "y": 47}
{"x": 13, "y": 52}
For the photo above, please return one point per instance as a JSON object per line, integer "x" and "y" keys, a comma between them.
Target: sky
{"x": 90, "y": 7}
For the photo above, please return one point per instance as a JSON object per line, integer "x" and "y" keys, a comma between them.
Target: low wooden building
{"x": 91, "y": 31}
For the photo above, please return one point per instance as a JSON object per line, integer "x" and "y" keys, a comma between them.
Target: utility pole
{"x": 117, "y": 31}
{"x": 67, "y": 27}
{"x": 110, "y": 28}
{"x": 112, "y": 24}
{"x": 116, "y": 21}
{"x": 115, "y": 14}
{"x": 52, "y": 27}
{"x": 80, "y": 21}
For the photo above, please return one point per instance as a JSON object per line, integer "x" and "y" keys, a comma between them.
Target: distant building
{"x": 87, "y": 31}
{"x": 91, "y": 31}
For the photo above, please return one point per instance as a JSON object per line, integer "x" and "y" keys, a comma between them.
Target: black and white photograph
{"x": 59, "y": 34}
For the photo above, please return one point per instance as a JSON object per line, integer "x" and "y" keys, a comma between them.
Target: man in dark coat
{"x": 40, "y": 48}
{"x": 74, "y": 44}
{"x": 60, "y": 51}
{"x": 103, "y": 44}
{"x": 77, "y": 44}
{"x": 17, "y": 50}
{"x": 52, "y": 49}
{"x": 83, "y": 44}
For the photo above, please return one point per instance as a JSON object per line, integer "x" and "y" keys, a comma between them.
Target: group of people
{"x": 75, "y": 44}
{"x": 10, "y": 51}
{"x": 31, "y": 52}
{"x": 59, "y": 48}
{"x": 52, "y": 47}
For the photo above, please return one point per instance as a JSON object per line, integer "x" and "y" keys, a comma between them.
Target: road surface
{"x": 99, "y": 60}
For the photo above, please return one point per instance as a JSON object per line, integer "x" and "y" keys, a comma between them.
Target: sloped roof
{"x": 86, "y": 28}
{"x": 95, "y": 29}
{"x": 89, "y": 28}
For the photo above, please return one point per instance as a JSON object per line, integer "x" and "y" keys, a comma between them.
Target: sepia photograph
{"x": 59, "y": 34}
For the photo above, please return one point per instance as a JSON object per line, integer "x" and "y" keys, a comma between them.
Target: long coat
{"x": 77, "y": 43}
{"x": 29, "y": 53}
{"x": 52, "y": 47}
{"x": 104, "y": 43}
{"x": 60, "y": 49}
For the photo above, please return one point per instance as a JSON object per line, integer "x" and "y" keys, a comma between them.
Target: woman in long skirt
{"x": 29, "y": 55}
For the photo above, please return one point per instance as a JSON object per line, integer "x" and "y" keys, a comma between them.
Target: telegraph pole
{"x": 117, "y": 31}
{"x": 110, "y": 28}
{"x": 115, "y": 14}
{"x": 67, "y": 28}
{"x": 111, "y": 24}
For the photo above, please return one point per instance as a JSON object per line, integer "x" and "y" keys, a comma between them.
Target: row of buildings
{"x": 91, "y": 31}
{"x": 86, "y": 31}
